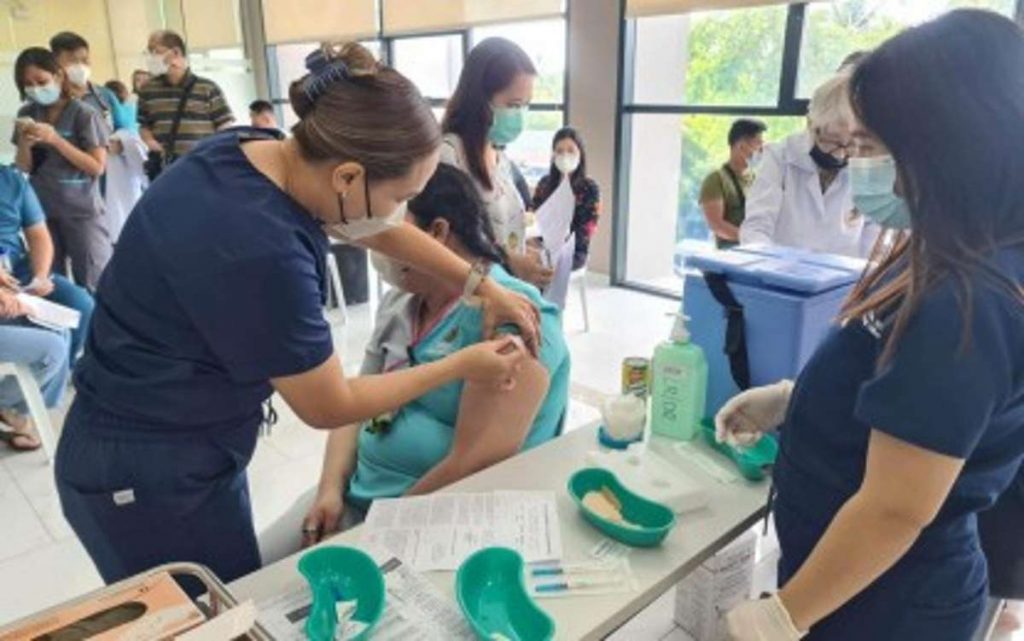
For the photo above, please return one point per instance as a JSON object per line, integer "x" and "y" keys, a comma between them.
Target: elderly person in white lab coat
{"x": 801, "y": 197}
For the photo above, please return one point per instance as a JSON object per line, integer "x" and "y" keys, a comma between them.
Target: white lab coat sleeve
{"x": 764, "y": 202}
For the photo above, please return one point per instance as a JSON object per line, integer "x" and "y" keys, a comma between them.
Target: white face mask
{"x": 755, "y": 160}
{"x": 391, "y": 271}
{"x": 567, "y": 163}
{"x": 368, "y": 226}
{"x": 78, "y": 74}
{"x": 156, "y": 65}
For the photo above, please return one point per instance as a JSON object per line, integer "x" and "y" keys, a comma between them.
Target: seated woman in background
{"x": 31, "y": 259}
{"x": 45, "y": 352}
{"x": 569, "y": 158}
{"x": 437, "y": 439}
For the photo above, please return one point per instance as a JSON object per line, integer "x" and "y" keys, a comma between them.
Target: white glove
{"x": 747, "y": 416}
{"x": 762, "y": 620}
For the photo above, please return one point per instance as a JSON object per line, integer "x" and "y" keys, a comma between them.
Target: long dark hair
{"x": 947, "y": 99}
{"x": 490, "y": 67}
{"x": 451, "y": 196}
{"x": 579, "y": 176}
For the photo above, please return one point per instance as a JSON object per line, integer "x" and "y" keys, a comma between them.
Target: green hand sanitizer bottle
{"x": 680, "y": 383}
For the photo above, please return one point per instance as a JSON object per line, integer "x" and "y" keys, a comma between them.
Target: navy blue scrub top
{"x": 964, "y": 401}
{"x": 216, "y": 286}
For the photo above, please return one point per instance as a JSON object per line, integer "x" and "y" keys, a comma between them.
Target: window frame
{"x": 387, "y": 44}
{"x": 787, "y": 104}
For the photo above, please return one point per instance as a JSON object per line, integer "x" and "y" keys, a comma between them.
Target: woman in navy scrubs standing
{"x": 214, "y": 300}
{"x": 909, "y": 420}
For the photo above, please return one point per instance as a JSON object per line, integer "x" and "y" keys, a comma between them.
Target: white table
{"x": 732, "y": 509}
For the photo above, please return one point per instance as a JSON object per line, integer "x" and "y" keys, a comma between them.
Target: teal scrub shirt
{"x": 391, "y": 461}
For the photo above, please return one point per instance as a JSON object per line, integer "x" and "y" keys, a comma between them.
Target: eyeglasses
{"x": 834, "y": 146}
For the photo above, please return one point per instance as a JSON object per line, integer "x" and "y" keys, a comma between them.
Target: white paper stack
{"x": 50, "y": 315}
{"x": 438, "y": 532}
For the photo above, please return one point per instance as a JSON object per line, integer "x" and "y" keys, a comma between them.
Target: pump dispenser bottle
{"x": 680, "y": 382}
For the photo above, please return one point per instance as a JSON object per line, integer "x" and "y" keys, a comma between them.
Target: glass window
{"x": 532, "y": 150}
{"x": 544, "y": 42}
{"x": 232, "y": 73}
{"x": 668, "y": 149}
{"x": 432, "y": 62}
{"x": 710, "y": 57}
{"x": 834, "y": 30}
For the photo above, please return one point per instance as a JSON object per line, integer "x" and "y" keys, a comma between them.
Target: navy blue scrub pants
{"x": 935, "y": 593}
{"x": 138, "y": 498}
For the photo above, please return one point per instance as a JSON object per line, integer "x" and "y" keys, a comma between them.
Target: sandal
{"x": 21, "y": 441}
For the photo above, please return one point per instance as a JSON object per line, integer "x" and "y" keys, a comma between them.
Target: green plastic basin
{"x": 653, "y": 520}
{"x": 492, "y": 594}
{"x": 337, "y": 573}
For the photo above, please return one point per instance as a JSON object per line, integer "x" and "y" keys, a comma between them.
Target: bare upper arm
{"x": 314, "y": 393}
{"x": 714, "y": 209}
{"x": 906, "y": 481}
{"x": 493, "y": 424}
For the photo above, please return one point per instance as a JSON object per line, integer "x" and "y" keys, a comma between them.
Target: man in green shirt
{"x": 723, "y": 195}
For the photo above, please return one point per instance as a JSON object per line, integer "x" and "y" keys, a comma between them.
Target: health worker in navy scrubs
{"x": 909, "y": 419}
{"x": 214, "y": 300}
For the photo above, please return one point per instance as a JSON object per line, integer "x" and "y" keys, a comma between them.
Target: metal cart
{"x": 216, "y": 600}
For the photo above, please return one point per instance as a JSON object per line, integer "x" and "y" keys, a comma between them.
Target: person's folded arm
{"x": 492, "y": 425}
{"x": 40, "y": 250}
{"x": 714, "y": 214}
{"x": 764, "y": 202}
{"x": 903, "y": 489}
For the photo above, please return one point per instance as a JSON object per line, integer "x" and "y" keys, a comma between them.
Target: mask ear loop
{"x": 366, "y": 192}
{"x": 341, "y": 209}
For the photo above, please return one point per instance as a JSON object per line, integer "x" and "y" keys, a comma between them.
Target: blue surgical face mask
{"x": 45, "y": 95}
{"x": 873, "y": 181}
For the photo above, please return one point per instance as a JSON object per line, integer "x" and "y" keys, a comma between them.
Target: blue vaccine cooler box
{"x": 787, "y": 301}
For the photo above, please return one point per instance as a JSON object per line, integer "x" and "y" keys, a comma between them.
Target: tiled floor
{"x": 42, "y": 563}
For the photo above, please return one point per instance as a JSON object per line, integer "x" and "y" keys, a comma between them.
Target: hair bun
{"x": 298, "y": 97}
{"x": 358, "y": 60}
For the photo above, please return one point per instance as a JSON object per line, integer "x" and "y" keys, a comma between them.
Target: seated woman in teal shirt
{"x": 439, "y": 438}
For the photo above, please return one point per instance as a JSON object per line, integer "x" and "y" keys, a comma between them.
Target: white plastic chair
{"x": 36, "y": 406}
{"x": 338, "y": 288}
{"x": 580, "y": 278}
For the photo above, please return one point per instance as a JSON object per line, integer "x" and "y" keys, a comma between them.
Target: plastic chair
{"x": 337, "y": 290}
{"x": 580, "y": 278}
{"x": 36, "y": 406}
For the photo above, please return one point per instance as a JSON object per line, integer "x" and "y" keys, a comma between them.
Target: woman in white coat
{"x": 801, "y": 197}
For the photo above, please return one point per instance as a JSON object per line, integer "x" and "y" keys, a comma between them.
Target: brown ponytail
{"x": 368, "y": 113}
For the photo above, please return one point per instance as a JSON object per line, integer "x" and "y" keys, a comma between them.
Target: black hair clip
{"x": 323, "y": 71}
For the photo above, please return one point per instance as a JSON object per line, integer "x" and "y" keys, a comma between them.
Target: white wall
{"x": 654, "y": 184}
{"x": 593, "y": 80}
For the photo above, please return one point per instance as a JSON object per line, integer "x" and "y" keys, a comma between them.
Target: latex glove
{"x": 746, "y": 417}
{"x": 761, "y": 620}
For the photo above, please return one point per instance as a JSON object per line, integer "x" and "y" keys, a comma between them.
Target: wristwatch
{"x": 477, "y": 274}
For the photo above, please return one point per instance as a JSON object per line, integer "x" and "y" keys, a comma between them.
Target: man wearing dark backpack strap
{"x": 177, "y": 109}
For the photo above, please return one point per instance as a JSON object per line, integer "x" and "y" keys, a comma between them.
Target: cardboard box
{"x": 150, "y": 610}
{"x": 719, "y": 584}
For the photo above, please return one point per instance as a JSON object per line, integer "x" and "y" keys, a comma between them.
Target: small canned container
{"x": 636, "y": 376}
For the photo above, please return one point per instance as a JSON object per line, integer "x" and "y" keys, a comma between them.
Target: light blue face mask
{"x": 872, "y": 181}
{"x": 508, "y": 124}
{"x": 45, "y": 95}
